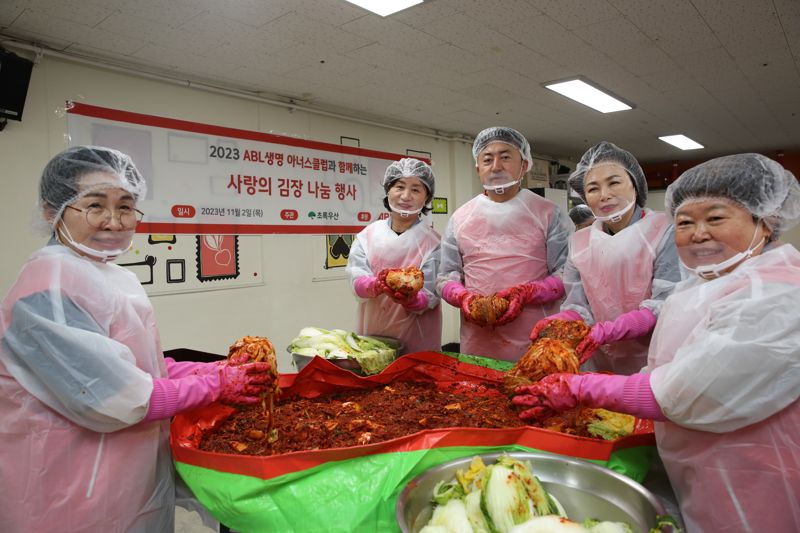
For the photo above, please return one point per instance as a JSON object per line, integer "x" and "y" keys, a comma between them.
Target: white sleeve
{"x": 557, "y": 243}
{"x": 430, "y": 269}
{"x": 357, "y": 262}
{"x": 452, "y": 265}
{"x": 740, "y": 364}
{"x": 72, "y": 366}
{"x": 576, "y": 296}
{"x": 666, "y": 272}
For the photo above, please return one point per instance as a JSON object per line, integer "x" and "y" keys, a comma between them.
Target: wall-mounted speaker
{"x": 15, "y": 75}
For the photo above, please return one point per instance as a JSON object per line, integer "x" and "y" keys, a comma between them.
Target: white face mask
{"x": 403, "y": 213}
{"x": 101, "y": 255}
{"x": 615, "y": 217}
{"x": 501, "y": 188}
{"x": 715, "y": 270}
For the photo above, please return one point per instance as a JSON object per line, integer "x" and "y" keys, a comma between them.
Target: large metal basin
{"x": 583, "y": 488}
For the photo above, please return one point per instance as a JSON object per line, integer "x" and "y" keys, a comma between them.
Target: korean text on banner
{"x": 205, "y": 179}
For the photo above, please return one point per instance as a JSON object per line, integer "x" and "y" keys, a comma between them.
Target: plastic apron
{"x": 503, "y": 245}
{"x": 56, "y": 475}
{"x": 617, "y": 276}
{"x": 384, "y": 316}
{"x": 725, "y": 481}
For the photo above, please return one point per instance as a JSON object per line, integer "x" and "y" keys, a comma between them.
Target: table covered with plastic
{"x": 355, "y": 488}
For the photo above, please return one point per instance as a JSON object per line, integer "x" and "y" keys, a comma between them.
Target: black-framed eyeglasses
{"x": 97, "y": 217}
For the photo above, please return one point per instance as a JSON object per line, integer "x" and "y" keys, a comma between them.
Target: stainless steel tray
{"x": 352, "y": 365}
{"x": 584, "y": 489}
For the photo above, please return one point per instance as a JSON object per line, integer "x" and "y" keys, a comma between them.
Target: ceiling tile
{"x": 10, "y": 12}
{"x": 382, "y": 56}
{"x": 621, "y": 40}
{"x": 254, "y": 13}
{"x": 419, "y": 15}
{"x": 574, "y": 14}
{"x": 676, "y": 27}
{"x": 761, "y": 32}
{"x": 84, "y": 12}
{"x": 466, "y": 33}
{"x": 335, "y": 13}
{"x": 543, "y": 35}
{"x": 713, "y": 68}
{"x": 697, "y": 66}
{"x": 391, "y": 33}
{"x": 135, "y": 26}
{"x": 499, "y": 14}
{"x": 453, "y": 58}
{"x": 171, "y": 14}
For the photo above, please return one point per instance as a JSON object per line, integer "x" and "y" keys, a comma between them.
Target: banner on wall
{"x": 205, "y": 179}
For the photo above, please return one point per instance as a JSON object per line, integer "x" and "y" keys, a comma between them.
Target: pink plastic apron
{"x": 56, "y": 475}
{"x": 503, "y": 245}
{"x": 383, "y": 315}
{"x": 617, "y": 275}
{"x": 750, "y": 475}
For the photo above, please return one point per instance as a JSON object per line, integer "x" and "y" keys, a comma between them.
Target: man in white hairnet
{"x": 723, "y": 368}
{"x": 507, "y": 241}
{"x": 582, "y": 216}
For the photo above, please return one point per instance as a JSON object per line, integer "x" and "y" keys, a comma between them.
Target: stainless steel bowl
{"x": 584, "y": 489}
{"x": 352, "y": 365}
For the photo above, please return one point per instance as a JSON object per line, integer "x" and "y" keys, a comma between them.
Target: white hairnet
{"x": 407, "y": 167}
{"x": 580, "y": 214}
{"x": 60, "y": 182}
{"x": 761, "y": 185}
{"x": 502, "y": 134}
{"x": 605, "y": 153}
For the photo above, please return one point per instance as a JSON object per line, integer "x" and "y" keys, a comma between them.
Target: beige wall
{"x": 211, "y": 320}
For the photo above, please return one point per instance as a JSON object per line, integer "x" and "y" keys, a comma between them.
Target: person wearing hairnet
{"x": 507, "y": 241}
{"x": 582, "y": 216}
{"x": 724, "y": 362}
{"x": 401, "y": 241}
{"x": 85, "y": 391}
{"x": 621, "y": 268}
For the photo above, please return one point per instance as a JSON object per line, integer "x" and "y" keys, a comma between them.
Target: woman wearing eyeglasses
{"x": 85, "y": 391}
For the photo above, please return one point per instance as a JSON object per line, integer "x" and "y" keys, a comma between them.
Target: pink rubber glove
{"x": 628, "y": 325}
{"x": 516, "y": 301}
{"x": 543, "y": 291}
{"x": 560, "y": 392}
{"x": 367, "y": 287}
{"x": 399, "y": 297}
{"x": 542, "y": 324}
{"x": 457, "y": 295}
{"x": 236, "y": 384}
{"x": 181, "y": 369}
{"x": 453, "y": 293}
{"x": 418, "y": 302}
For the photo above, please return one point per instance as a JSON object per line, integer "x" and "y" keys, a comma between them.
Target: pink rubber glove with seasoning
{"x": 628, "y": 325}
{"x": 561, "y": 392}
{"x": 241, "y": 384}
{"x": 543, "y": 323}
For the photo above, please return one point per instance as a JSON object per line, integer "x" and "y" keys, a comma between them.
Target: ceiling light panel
{"x": 681, "y": 141}
{"x": 588, "y": 95}
{"x": 385, "y": 7}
